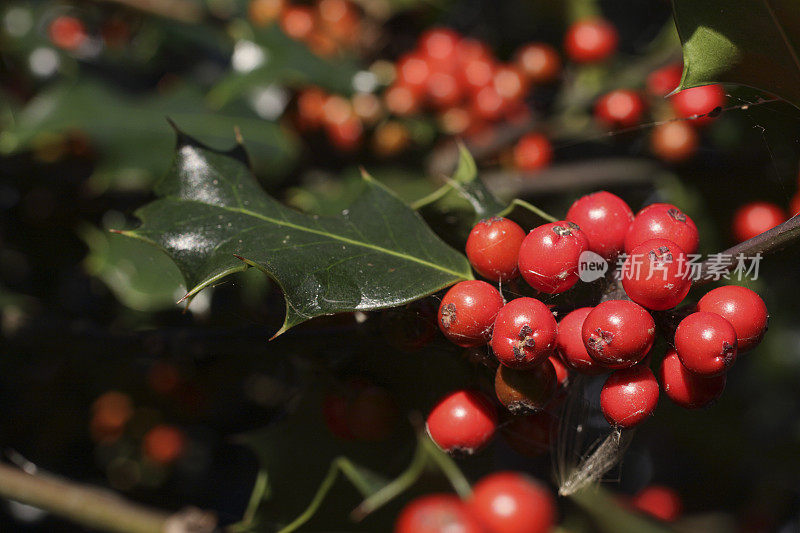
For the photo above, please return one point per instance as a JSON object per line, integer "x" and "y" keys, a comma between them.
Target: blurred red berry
{"x": 756, "y": 218}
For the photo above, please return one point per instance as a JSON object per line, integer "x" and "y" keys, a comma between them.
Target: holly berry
{"x": 436, "y": 513}
{"x": 297, "y": 22}
{"x": 524, "y": 391}
{"x": 413, "y": 72}
{"x": 674, "y": 141}
{"x": 372, "y": 414}
{"x": 663, "y": 221}
{"x": 655, "y": 275}
{"x": 548, "y": 257}
{"x": 569, "y": 343}
{"x": 618, "y": 333}
{"x": 509, "y": 502}
{"x": 334, "y": 413}
{"x": 743, "y": 308}
{"x": 510, "y": 83}
{"x": 685, "y": 388}
{"x": 488, "y": 104}
{"x": 493, "y": 248}
{"x": 532, "y": 152}
{"x": 443, "y": 89}
{"x": 539, "y": 62}
{"x": 659, "y": 502}
{"x": 164, "y": 444}
{"x": 706, "y": 343}
{"x": 345, "y": 135}
{"x": 402, "y": 100}
{"x": 463, "y": 422}
{"x": 663, "y": 81}
{"x": 468, "y": 311}
{"x": 524, "y": 333}
{"x": 604, "y": 218}
{"x": 111, "y": 412}
{"x": 562, "y": 372}
{"x": 756, "y": 218}
{"x": 529, "y": 435}
{"x": 629, "y": 396}
{"x": 621, "y": 108}
{"x": 264, "y": 12}
{"x": 698, "y": 102}
{"x": 591, "y": 41}
{"x": 439, "y": 46}
{"x": 67, "y": 32}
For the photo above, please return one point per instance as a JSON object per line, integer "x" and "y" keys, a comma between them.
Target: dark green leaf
{"x": 756, "y": 44}
{"x": 377, "y": 254}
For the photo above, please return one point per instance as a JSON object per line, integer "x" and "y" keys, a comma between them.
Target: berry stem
{"x": 448, "y": 468}
{"x": 770, "y": 241}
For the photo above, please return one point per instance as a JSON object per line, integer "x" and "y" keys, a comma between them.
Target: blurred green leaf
{"x": 756, "y": 44}
{"x": 213, "y": 219}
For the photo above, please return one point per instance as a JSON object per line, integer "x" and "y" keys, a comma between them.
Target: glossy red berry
{"x": 437, "y": 513}
{"x": 524, "y": 333}
{"x": 569, "y": 343}
{"x": 621, "y": 108}
{"x": 540, "y": 62}
{"x": 699, "y": 102}
{"x": 493, "y": 248}
{"x": 662, "y": 503}
{"x": 548, "y": 257}
{"x": 530, "y": 435}
{"x": 706, "y": 343}
{"x": 756, "y": 218}
{"x": 629, "y": 396}
{"x": 532, "y": 152}
{"x": 663, "y": 221}
{"x": 674, "y": 141}
{"x": 618, "y": 333}
{"x": 743, "y": 308}
{"x": 562, "y": 372}
{"x": 463, "y": 422}
{"x": 664, "y": 80}
{"x": 656, "y": 275}
{"x": 468, "y": 311}
{"x": 591, "y": 41}
{"x": 509, "y": 502}
{"x": 525, "y": 391}
{"x": 686, "y": 388}
{"x": 604, "y": 218}
{"x": 67, "y": 32}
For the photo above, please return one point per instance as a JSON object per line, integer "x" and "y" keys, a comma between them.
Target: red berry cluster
{"x": 503, "y": 502}
{"x": 535, "y": 353}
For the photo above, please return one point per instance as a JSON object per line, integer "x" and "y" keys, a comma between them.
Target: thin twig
{"x": 97, "y": 508}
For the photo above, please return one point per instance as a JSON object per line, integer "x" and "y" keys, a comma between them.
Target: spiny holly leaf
{"x": 756, "y": 44}
{"x": 213, "y": 219}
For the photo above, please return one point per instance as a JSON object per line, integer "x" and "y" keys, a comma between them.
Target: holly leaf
{"x": 213, "y": 219}
{"x": 756, "y": 44}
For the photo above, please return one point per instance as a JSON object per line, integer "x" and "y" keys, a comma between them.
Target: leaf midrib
{"x": 326, "y": 234}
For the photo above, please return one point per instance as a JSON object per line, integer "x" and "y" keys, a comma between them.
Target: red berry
{"x": 532, "y": 152}
{"x": 539, "y": 62}
{"x": 656, "y": 275}
{"x": 548, "y": 257}
{"x": 493, "y": 248}
{"x": 510, "y": 83}
{"x": 569, "y": 343}
{"x": 487, "y": 103}
{"x": 462, "y": 422}
{"x": 698, "y": 101}
{"x": 164, "y": 444}
{"x": 298, "y": 22}
{"x": 591, "y": 41}
{"x": 743, "y": 308}
{"x": 618, "y": 333}
{"x": 439, "y": 45}
{"x": 622, "y": 108}
{"x": 402, "y": 100}
{"x": 523, "y": 391}
{"x": 706, "y": 343}
{"x": 346, "y": 135}
{"x": 562, "y": 372}
{"x": 468, "y": 311}
{"x": 443, "y": 89}
{"x": 629, "y": 396}
{"x": 604, "y": 218}
{"x": 508, "y": 502}
{"x": 67, "y": 32}
{"x": 685, "y": 388}
{"x": 413, "y": 71}
{"x": 436, "y": 513}
{"x": 674, "y": 141}
{"x": 659, "y": 502}
{"x": 529, "y": 435}
{"x": 524, "y": 333}
{"x": 756, "y": 218}
{"x": 310, "y": 107}
{"x": 334, "y": 412}
{"x": 663, "y": 221}
{"x": 663, "y": 81}
{"x": 372, "y": 414}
